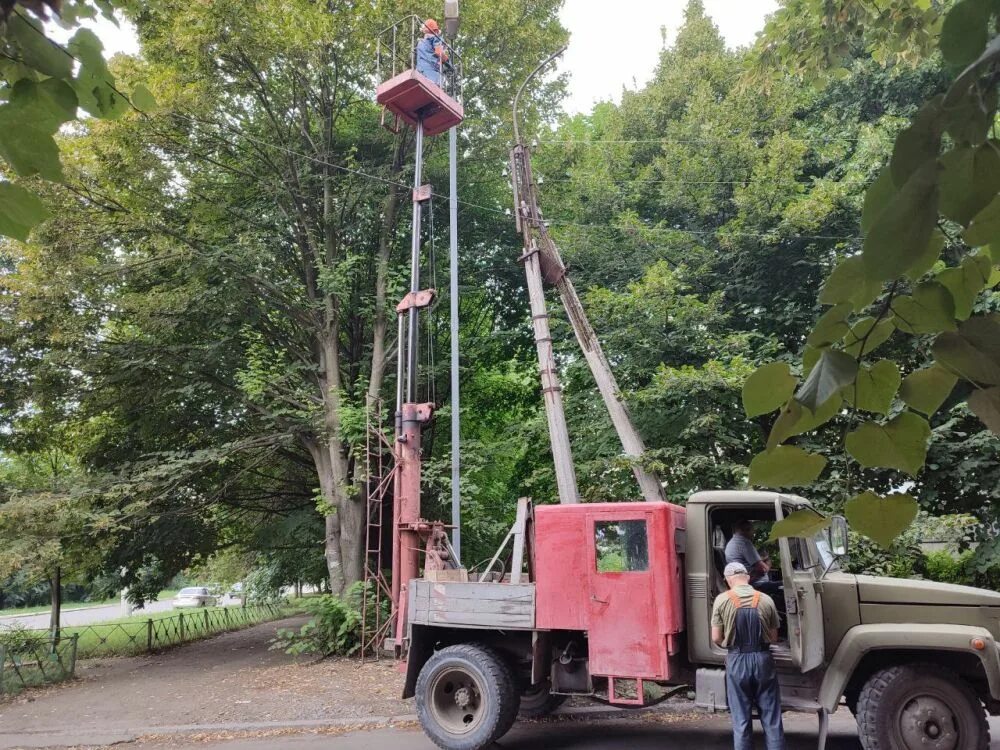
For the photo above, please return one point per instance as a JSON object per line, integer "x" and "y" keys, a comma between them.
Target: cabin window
{"x": 621, "y": 546}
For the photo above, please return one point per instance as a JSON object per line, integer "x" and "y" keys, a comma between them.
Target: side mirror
{"x": 838, "y": 536}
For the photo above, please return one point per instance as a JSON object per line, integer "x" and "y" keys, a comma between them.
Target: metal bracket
{"x": 615, "y": 700}
{"x": 422, "y": 193}
{"x": 421, "y": 299}
{"x": 421, "y": 413}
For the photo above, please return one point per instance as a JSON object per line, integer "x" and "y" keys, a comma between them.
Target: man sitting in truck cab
{"x": 740, "y": 549}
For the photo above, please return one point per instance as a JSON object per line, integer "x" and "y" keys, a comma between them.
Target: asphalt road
{"x": 88, "y": 616}
{"x": 685, "y": 732}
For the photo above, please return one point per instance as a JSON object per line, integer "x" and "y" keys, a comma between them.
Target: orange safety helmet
{"x": 432, "y": 26}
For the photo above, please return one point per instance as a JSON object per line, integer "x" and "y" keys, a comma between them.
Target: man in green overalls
{"x": 745, "y": 621}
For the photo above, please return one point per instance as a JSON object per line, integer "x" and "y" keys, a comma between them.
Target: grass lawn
{"x": 167, "y": 594}
{"x": 144, "y": 632}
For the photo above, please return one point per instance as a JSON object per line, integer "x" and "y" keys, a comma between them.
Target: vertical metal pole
{"x": 411, "y": 375}
{"x": 456, "y": 495}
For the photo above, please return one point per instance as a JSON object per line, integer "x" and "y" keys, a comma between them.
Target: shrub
{"x": 333, "y": 630}
{"x": 903, "y": 560}
{"x": 17, "y": 638}
{"x": 945, "y": 567}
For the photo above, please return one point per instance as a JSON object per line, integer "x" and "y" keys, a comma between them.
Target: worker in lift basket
{"x": 745, "y": 621}
{"x": 432, "y": 56}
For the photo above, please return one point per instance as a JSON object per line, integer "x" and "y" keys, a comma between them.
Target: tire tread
{"x": 873, "y": 694}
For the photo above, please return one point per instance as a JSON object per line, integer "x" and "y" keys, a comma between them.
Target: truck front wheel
{"x": 466, "y": 697}
{"x": 920, "y": 706}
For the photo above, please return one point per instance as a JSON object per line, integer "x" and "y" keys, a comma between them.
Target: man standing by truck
{"x": 745, "y": 621}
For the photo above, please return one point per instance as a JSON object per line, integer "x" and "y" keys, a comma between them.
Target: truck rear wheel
{"x": 920, "y": 706}
{"x": 537, "y": 701}
{"x": 466, "y": 697}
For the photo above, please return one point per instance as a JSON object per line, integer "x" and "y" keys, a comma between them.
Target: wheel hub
{"x": 463, "y": 697}
{"x": 928, "y": 722}
{"x": 456, "y": 701}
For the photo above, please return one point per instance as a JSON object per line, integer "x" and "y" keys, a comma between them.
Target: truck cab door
{"x": 803, "y": 600}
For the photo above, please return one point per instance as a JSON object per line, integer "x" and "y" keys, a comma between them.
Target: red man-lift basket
{"x": 411, "y": 95}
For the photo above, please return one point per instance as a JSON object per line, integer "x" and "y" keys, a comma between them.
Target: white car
{"x": 194, "y": 596}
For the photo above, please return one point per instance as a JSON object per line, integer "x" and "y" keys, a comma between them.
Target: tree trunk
{"x": 55, "y": 616}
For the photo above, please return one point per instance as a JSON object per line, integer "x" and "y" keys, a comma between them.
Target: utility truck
{"x": 618, "y": 596}
{"x": 613, "y": 600}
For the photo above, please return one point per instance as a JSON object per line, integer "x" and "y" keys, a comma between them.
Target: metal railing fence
{"x": 139, "y": 636}
{"x": 35, "y": 659}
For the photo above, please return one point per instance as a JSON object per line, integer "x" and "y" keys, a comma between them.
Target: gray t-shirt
{"x": 740, "y": 549}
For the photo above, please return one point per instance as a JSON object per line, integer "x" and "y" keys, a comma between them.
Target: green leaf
{"x": 985, "y": 404}
{"x": 880, "y": 519}
{"x": 962, "y": 85}
{"x": 20, "y": 211}
{"x": 37, "y": 50}
{"x": 917, "y": 146}
{"x": 801, "y": 523}
{"x": 832, "y": 371}
{"x": 899, "y": 237}
{"x": 929, "y": 257}
{"x": 142, "y": 98}
{"x": 29, "y": 149}
{"x": 925, "y": 390}
{"x": 869, "y": 334}
{"x": 875, "y": 387}
{"x": 794, "y": 419}
{"x": 809, "y": 420}
{"x": 768, "y": 388}
{"x": 810, "y": 356}
{"x": 848, "y": 283}
{"x": 970, "y": 180}
{"x": 968, "y": 118}
{"x": 785, "y": 466}
{"x": 832, "y": 325}
{"x": 973, "y": 352}
{"x": 931, "y": 309}
{"x": 964, "y": 32}
{"x": 46, "y": 105}
{"x": 985, "y": 227}
{"x": 89, "y": 50}
{"x": 877, "y": 198}
{"x": 99, "y": 97}
{"x": 899, "y": 444}
{"x": 966, "y": 282}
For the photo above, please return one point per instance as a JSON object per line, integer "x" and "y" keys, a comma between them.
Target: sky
{"x": 608, "y": 51}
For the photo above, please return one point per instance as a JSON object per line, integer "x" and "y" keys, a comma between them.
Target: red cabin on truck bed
{"x": 615, "y": 571}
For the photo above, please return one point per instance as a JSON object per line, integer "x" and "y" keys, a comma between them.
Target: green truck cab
{"x": 915, "y": 661}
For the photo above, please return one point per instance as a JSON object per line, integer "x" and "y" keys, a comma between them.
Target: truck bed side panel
{"x": 475, "y": 605}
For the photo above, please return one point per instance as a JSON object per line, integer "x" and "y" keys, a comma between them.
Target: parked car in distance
{"x": 194, "y": 596}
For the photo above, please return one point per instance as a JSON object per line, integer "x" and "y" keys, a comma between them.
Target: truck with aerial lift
{"x": 612, "y": 600}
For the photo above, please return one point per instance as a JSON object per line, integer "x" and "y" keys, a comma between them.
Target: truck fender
{"x": 421, "y": 648}
{"x": 862, "y": 639}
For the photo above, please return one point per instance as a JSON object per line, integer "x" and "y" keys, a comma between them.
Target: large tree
{"x": 247, "y": 240}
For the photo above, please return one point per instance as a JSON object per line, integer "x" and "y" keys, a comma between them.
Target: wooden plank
{"x": 479, "y": 591}
{"x": 454, "y": 575}
{"x": 517, "y": 563}
{"x": 468, "y": 605}
{"x": 481, "y": 619}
